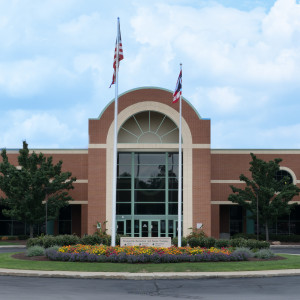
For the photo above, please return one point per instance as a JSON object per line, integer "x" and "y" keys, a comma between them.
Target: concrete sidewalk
{"x": 148, "y": 276}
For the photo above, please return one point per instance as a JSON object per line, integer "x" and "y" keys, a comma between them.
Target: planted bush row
{"x": 273, "y": 237}
{"x": 209, "y": 242}
{"x": 48, "y": 241}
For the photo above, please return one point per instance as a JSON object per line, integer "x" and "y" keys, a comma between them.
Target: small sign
{"x": 199, "y": 225}
{"x": 164, "y": 242}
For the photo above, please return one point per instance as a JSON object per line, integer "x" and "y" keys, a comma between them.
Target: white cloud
{"x": 28, "y": 77}
{"x": 243, "y": 46}
{"x": 39, "y": 129}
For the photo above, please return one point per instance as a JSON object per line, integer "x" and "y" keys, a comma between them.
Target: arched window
{"x": 148, "y": 127}
{"x": 283, "y": 173}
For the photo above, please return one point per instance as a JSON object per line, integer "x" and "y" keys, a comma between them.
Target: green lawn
{"x": 292, "y": 262}
{"x": 8, "y": 243}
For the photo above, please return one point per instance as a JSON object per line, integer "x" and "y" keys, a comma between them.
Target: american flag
{"x": 119, "y": 55}
{"x": 178, "y": 88}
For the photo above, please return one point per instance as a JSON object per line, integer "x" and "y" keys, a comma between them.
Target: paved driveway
{"x": 26, "y": 288}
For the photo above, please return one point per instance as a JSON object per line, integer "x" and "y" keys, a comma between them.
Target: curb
{"x": 148, "y": 276}
{"x": 284, "y": 246}
{"x": 13, "y": 246}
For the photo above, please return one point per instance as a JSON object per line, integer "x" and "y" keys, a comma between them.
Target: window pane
{"x": 124, "y": 158}
{"x": 150, "y": 196}
{"x": 123, "y": 196}
{"x": 150, "y": 183}
{"x": 162, "y": 226}
{"x": 128, "y": 226}
{"x": 65, "y": 227}
{"x": 173, "y": 196}
{"x": 124, "y": 183}
{"x": 173, "y": 171}
{"x": 18, "y": 228}
{"x": 5, "y": 227}
{"x": 150, "y": 171}
{"x": 173, "y": 183}
{"x": 123, "y": 209}
{"x": 65, "y": 213}
{"x": 124, "y": 171}
{"x": 173, "y": 208}
{"x": 136, "y": 227}
{"x": 120, "y": 227}
{"x": 149, "y": 209}
{"x": 150, "y": 158}
{"x": 173, "y": 158}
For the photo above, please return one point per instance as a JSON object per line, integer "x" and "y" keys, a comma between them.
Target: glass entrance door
{"x": 149, "y": 228}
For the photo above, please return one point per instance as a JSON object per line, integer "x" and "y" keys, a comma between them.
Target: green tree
{"x": 28, "y": 186}
{"x": 265, "y": 191}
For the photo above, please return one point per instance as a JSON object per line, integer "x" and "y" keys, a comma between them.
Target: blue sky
{"x": 241, "y": 66}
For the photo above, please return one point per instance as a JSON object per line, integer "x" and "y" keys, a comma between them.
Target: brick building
{"x": 147, "y": 188}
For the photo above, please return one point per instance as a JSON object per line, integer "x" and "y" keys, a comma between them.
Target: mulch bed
{"x": 44, "y": 258}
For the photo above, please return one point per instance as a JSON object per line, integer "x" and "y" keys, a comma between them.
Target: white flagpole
{"x": 180, "y": 171}
{"x": 114, "y": 183}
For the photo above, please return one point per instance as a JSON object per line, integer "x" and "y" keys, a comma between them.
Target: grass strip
{"x": 4, "y": 243}
{"x": 292, "y": 262}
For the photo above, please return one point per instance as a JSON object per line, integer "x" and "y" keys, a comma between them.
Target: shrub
{"x": 264, "y": 254}
{"x": 238, "y": 242}
{"x": 35, "y": 251}
{"x": 196, "y": 233}
{"x": 38, "y": 241}
{"x": 47, "y": 241}
{"x": 194, "y": 242}
{"x": 91, "y": 240}
{"x": 255, "y": 244}
{"x": 222, "y": 243}
{"x": 67, "y": 239}
{"x": 243, "y": 250}
{"x": 55, "y": 248}
{"x": 183, "y": 241}
{"x": 252, "y": 244}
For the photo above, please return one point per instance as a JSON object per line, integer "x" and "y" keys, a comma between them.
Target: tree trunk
{"x": 267, "y": 232}
{"x": 31, "y": 230}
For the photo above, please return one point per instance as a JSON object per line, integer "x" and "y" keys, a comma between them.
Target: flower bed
{"x": 141, "y": 254}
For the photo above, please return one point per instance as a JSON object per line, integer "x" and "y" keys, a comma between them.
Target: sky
{"x": 241, "y": 66}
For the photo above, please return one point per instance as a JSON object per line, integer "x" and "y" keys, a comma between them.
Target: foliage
{"x": 202, "y": 242}
{"x": 264, "y": 254}
{"x": 35, "y": 251}
{"x": 101, "y": 229}
{"x": 183, "y": 241}
{"x": 251, "y": 244}
{"x": 136, "y": 254}
{"x": 244, "y": 250}
{"x": 27, "y": 187}
{"x": 273, "y": 237}
{"x": 55, "y": 248}
{"x": 48, "y": 241}
{"x": 94, "y": 239}
{"x": 222, "y": 243}
{"x": 272, "y": 196}
{"x": 197, "y": 233}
